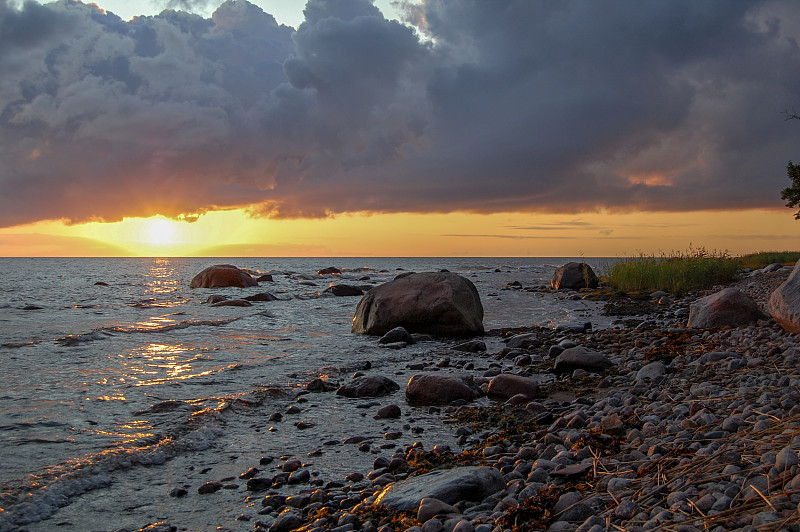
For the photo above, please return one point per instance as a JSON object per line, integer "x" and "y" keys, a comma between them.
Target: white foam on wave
{"x": 72, "y": 340}
{"x": 39, "y": 497}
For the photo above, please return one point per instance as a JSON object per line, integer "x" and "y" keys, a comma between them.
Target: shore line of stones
{"x": 692, "y": 430}
{"x": 672, "y": 429}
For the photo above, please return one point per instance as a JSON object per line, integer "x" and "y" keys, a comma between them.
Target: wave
{"x": 38, "y": 497}
{"x": 104, "y": 333}
{"x": 14, "y": 345}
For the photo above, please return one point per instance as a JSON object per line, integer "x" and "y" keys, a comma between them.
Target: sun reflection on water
{"x": 162, "y": 277}
{"x": 158, "y": 363}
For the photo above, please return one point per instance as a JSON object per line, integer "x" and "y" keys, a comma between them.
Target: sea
{"x": 119, "y": 384}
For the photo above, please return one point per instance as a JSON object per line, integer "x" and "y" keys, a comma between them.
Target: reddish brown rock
{"x": 222, "y": 275}
{"x": 440, "y": 303}
{"x": 728, "y": 307}
{"x": 424, "y": 390}
{"x": 506, "y": 385}
{"x": 784, "y": 303}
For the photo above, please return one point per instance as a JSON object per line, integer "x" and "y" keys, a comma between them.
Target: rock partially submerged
{"x": 344, "y": 290}
{"x": 222, "y": 275}
{"x": 728, "y": 307}
{"x": 431, "y": 389}
{"x": 450, "y": 486}
{"x": 441, "y": 303}
{"x": 574, "y": 276}
{"x": 368, "y": 386}
{"x": 262, "y": 296}
{"x": 231, "y": 303}
{"x": 784, "y": 303}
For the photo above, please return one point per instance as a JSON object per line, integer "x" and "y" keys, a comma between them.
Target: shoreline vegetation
{"x": 673, "y": 429}
{"x": 694, "y": 269}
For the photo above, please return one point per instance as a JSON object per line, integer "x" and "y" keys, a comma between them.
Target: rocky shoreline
{"x": 688, "y": 429}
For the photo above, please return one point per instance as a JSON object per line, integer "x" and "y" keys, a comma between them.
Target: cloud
{"x": 464, "y": 105}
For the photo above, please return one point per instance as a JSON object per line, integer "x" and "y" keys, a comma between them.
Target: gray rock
{"x": 450, "y": 486}
{"x": 728, "y": 307}
{"x": 430, "y": 507}
{"x": 344, "y": 290}
{"x": 388, "y": 412}
{"x": 574, "y": 276}
{"x": 471, "y": 346}
{"x": 785, "y": 459}
{"x": 231, "y": 303}
{"x": 581, "y": 358}
{"x": 784, "y": 303}
{"x": 440, "y": 303}
{"x": 398, "y": 334}
{"x": 524, "y": 341}
{"x": 368, "y": 386}
{"x": 287, "y": 520}
{"x": 263, "y": 296}
{"x": 651, "y": 372}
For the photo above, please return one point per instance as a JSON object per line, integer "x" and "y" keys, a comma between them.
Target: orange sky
{"x": 234, "y": 233}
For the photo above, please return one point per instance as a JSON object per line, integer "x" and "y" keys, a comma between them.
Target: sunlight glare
{"x": 161, "y": 231}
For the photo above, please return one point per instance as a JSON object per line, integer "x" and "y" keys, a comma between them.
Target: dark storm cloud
{"x": 466, "y": 105}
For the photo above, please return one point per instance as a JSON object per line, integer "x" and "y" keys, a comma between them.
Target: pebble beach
{"x": 688, "y": 429}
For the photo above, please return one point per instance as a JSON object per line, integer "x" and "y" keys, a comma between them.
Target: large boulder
{"x": 574, "y": 276}
{"x": 473, "y": 483}
{"x": 368, "y": 386}
{"x": 728, "y": 307}
{"x": 222, "y": 275}
{"x": 440, "y": 303}
{"x": 784, "y": 303}
{"x": 426, "y": 390}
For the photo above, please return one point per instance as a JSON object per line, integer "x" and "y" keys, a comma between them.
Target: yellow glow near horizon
{"x": 234, "y": 233}
{"x": 161, "y": 231}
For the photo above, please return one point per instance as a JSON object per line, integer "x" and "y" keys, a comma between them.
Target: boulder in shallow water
{"x": 222, "y": 275}
{"x": 727, "y": 307}
{"x": 441, "y": 303}
{"x": 232, "y": 303}
{"x": 398, "y": 334}
{"x": 574, "y": 276}
{"x": 784, "y": 303}
{"x": 368, "y": 386}
{"x": 435, "y": 389}
{"x": 344, "y": 290}
{"x": 263, "y": 296}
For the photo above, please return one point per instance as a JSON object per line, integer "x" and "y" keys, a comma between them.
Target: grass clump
{"x": 676, "y": 273}
{"x": 754, "y": 261}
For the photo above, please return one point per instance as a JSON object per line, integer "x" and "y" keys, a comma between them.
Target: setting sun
{"x": 161, "y": 231}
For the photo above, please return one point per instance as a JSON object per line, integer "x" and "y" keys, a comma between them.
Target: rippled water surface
{"x": 113, "y": 394}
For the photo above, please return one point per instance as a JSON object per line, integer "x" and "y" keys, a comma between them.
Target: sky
{"x": 396, "y": 128}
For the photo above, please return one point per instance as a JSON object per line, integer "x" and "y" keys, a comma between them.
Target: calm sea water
{"x": 111, "y": 396}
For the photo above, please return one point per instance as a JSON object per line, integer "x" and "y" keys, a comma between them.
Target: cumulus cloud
{"x": 467, "y": 105}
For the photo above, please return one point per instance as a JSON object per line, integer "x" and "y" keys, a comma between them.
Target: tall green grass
{"x": 676, "y": 273}
{"x": 758, "y": 260}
